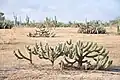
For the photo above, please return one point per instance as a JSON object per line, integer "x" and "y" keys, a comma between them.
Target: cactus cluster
{"x": 87, "y": 55}
{"x": 49, "y": 23}
{"x": 91, "y": 28}
{"x": 43, "y": 52}
{"x": 42, "y": 32}
{"x": 5, "y": 24}
{"x": 44, "y": 29}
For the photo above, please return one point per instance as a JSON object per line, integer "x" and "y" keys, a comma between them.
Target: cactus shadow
{"x": 42, "y": 67}
{"x": 46, "y": 37}
{"x": 114, "y": 69}
{"x": 49, "y": 67}
{"x": 10, "y": 43}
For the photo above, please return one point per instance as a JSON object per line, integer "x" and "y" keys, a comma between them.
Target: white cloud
{"x": 26, "y": 10}
{"x": 64, "y": 10}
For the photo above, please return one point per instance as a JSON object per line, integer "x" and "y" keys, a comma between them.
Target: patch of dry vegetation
{"x": 10, "y": 68}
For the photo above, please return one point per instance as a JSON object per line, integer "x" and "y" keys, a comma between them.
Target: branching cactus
{"x": 89, "y": 52}
{"x": 87, "y": 55}
{"x": 49, "y": 53}
{"x": 20, "y": 55}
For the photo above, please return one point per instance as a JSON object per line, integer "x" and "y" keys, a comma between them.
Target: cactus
{"x": 91, "y": 30}
{"x": 27, "y": 20}
{"x": 42, "y": 32}
{"x": 87, "y": 55}
{"x": 118, "y": 29}
{"x": 21, "y": 56}
{"x": 15, "y": 19}
{"x": 2, "y": 18}
{"x": 102, "y": 63}
{"x": 49, "y": 53}
{"x": 92, "y": 27}
{"x": 43, "y": 52}
{"x": 83, "y": 53}
{"x": 55, "y": 22}
{"x": 5, "y": 24}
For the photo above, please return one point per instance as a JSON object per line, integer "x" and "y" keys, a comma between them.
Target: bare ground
{"x": 13, "y": 69}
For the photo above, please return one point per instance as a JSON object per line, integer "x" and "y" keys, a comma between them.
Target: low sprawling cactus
{"x": 20, "y": 55}
{"x": 42, "y": 33}
{"x": 84, "y": 53}
{"x": 91, "y": 28}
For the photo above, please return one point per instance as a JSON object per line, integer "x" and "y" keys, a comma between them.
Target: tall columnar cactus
{"x": 15, "y": 19}
{"x": 27, "y": 20}
{"x": 55, "y": 22}
{"x": 47, "y": 22}
{"x": 20, "y": 55}
{"x": 87, "y": 53}
{"x": 2, "y": 18}
{"x": 118, "y": 29}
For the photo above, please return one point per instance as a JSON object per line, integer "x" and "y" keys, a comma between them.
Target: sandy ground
{"x": 13, "y": 69}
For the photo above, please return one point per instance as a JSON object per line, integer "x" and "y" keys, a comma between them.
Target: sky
{"x": 64, "y": 10}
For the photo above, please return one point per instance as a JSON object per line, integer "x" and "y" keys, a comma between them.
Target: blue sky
{"x": 65, "y": 10}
